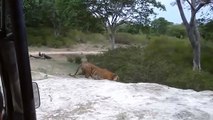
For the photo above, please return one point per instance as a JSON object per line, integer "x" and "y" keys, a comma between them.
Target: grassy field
{"x": 138, "y": 58}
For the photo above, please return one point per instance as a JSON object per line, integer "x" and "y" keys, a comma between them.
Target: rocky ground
{"x": 67, "y": 98}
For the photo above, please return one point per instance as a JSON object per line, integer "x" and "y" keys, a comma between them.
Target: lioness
{"x": 95, "y": 72}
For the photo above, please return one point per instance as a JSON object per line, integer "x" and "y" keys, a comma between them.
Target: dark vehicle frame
{"x": 15, "y": 72}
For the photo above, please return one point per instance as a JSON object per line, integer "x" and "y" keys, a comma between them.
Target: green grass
{"x": 131, "y": 39}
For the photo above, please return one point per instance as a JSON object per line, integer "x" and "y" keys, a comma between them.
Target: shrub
{"x": 74, "y": 58}
{"x": 207, "y": 56}
{"x": 177, "y": 31}
{"x": 206, "y": 31}
{"x": 123, "y": 38}
{"x": 55, "y": 42}
{"x": 189, "y": 79}
{"x": 127, "y": 38}
{"x": 78, "y": 60}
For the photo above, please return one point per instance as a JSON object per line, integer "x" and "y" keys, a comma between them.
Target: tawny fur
{"x": 95, "y": 72}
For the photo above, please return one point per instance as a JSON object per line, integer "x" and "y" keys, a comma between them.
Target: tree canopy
{"x": 60, "y": 14}
{"x": 160, "y": 25}
{"x": 116, "y": 12}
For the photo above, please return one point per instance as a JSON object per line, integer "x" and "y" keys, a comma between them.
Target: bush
{"x": 192, "y": 80}
{"x": 129, "y": 39}
{"x": 123, "y": 38}
{"x": 206, "y": 31}
{"x": 78, "y": 60}
{"x": 207, "y": 56}
{"x": 56, "y": 42}
{"x": 74, "y": 58}
{"x": 177, "y": 31}
{"x": 164, "y": 61}
{"x": 70, "y": 59}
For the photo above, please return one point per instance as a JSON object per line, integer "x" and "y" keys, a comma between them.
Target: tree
{"x": 61, "y": 15}
{"x": 116, "y": 12}
{"x": 192, "y": 28}
{"x": 31, "y": 10}
{"x": 160, "y": 25}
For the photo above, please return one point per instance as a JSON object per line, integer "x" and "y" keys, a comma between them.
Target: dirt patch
{"x": 59, "y": 65}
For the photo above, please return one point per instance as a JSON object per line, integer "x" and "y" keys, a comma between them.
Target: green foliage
{"x": 60, "y": 15}
{"x": 177, "y": 31}
{"x": 207, "y": 31}
{"x": 123, "y": 38}
{"x": 78, "y": 60}
{"x": 44, "y": 37}
{"x": 165, "y": 61}
{"x": 134, "y": 28}
{"x": 70, "y": 59}
{"x": 130, "y": 39}
{"x": 207, "y": 56}
{"x": 41, "y": 36}
{"x": 86, "y": 37}
{"x": 33, "y": 13}
{"x": 160, "y": 26}
{"x": 56, "y": 43}
{"x": 114, "y": 13}
{"x": 37, "y": 36}
{"x": 189, "y": 79}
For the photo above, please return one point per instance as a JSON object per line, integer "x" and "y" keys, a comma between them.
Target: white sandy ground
{"x": 67, "y": 98}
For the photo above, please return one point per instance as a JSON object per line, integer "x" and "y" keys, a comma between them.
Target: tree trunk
{"x": 196, "y": 57}
{"x": 194, "y": 37}
{"x": 111, "y": 33}
{"x": 192, "y": 30}
{"x": 112, "y": 40}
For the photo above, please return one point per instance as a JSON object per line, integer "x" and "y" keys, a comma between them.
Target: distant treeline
{"x": 64, "y": 15}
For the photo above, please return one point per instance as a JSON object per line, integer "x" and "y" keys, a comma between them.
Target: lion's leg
{"x": 95, "y": 76}
{"x": 87, "y": 75}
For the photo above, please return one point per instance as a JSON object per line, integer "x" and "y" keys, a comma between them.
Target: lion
{"x": 104, "y": 74}
{"x": 95, "y": 72}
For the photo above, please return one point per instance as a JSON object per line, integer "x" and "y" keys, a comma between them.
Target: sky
{"x": 172, "y": 13}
